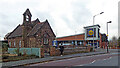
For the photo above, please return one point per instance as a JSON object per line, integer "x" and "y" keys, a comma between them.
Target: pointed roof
{"x": 27, "y": 12}
{"x": 35, "y": 28}
{"x": 34, "y": 22}
{"x": 35, "y": 25}
{"x": 37, "y": 20}
{"x": 46, "y": 20}
{"x": 17, "y": 32}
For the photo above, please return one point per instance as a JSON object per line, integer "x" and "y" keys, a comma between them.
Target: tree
{"x": 4, "y": 47}
{"x": 114, "y": 41}
{"x": 114, "y": 38}
{"x": 104, "y": 38}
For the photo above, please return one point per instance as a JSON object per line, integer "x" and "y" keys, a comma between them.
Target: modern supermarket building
{"x": 91, "y": 35}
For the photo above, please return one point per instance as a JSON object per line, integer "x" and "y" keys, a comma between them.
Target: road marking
{"x": 78, "y": 65}
{"x": 46, "y": 62}
{"x": 93, "y": 61}
{"x": 108, "y": 58}
{"x": 85, "y": 64}
{"x": 104, "y": 59}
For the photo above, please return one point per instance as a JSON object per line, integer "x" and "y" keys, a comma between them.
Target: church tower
{"x": 26, "y": 26}
{"x": 27, "y": 17}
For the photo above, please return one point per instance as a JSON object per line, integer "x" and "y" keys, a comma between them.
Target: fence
{"x": 28, "y": 51}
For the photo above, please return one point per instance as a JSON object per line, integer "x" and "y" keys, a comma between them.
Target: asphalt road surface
{"x": 94, "y": 60}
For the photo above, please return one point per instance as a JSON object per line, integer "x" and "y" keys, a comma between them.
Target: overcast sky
{"x": 64, "y": 16}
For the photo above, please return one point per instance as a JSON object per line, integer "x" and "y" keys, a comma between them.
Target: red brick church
{"x": 31, "y": 33}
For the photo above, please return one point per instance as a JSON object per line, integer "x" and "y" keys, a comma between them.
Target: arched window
{"x": 20, "y": 43}
{"x": 45, "y": 40}
{"x": 14, "y": 44}
{"x": 27, "y": 18}
{"x": 9, "y": 44}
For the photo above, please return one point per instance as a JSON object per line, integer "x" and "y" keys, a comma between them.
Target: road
{"x": 95, "y": 60}
{"x": 111, "y": 61}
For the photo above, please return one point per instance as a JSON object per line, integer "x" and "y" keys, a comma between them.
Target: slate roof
{"x": 35, "y": 29}
{"x": 34, "y": 22}
{"x": 17, "y": 32}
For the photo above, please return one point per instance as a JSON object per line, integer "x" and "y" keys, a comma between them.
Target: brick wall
{"x": 15, "y": 41}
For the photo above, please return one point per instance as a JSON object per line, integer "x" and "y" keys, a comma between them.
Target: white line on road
{"x": 86, "y": 64}
{"x": 79, "y": 65}
{"x": 93, "y": 61}
{"x": 108, "y": 58}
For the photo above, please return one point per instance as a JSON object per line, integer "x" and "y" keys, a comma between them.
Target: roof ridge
{"x": 32, "y": 29}
{"x": 35, "y": 20}
{"x": 40, "y": 27}
{"x": 50, "y": 27}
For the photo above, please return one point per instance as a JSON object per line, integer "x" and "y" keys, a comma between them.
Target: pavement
{"x": 50, "y": 58}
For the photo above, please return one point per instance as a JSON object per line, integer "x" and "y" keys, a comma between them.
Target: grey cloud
{"x": 11, "y": 13}
{"x": 80, "y": 14}
{"x": 45, "y": 15}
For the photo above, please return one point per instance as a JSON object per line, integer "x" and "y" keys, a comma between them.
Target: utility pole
{"x": 107, "y": 35}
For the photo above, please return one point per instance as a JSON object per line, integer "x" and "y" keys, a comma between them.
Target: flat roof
{"x": 70, "y": 35}
{"x": 92, "y": 26}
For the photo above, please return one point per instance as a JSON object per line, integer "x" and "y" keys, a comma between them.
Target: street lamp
{"x": 95, "y": 16}
{"x": 93, "y": 28}
{"x": 107, "y": 34}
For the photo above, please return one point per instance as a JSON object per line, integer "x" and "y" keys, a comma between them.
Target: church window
{"x": 45, "y": 40}
{"x": 27, "y": 18}
{"x": 20, "y": 43}
{"x": 9, "y": 44}
{"x": 14, "y": 44}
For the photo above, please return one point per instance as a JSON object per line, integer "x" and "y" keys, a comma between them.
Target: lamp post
{"x": 107, "y": 34}
{"x": 93, "y": 28}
